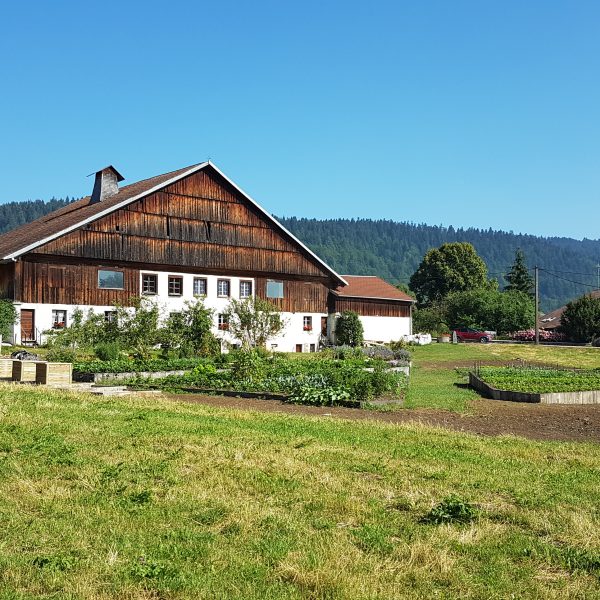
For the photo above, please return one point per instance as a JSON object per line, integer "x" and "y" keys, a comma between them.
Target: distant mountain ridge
{"x": 393, "y": 250}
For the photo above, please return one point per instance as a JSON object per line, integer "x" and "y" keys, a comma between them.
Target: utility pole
{"x": 537, "y": 304}
{"x": 598, "y": 267}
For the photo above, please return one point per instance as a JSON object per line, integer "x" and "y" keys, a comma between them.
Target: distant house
{"x": 190, "y": 233}
{"x": 552, "y": 320}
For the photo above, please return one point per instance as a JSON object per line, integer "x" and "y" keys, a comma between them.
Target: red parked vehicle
{"x": 466, "y": 334}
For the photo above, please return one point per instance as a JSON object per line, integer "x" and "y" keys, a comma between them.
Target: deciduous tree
{"x": 254, "y": 321}
{"x": 453, "y": 267}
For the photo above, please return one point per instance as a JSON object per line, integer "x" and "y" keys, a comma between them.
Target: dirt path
{"x": 488, "y": 417}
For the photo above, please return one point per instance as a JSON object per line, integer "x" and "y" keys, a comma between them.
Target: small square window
{"x": 110, "y": 280}
{"x": 110, "y": 316}
{"x": 149, "y": 284}
{"x": 274, "y": 289}
{"x": 59, "y": 319}
{"x": 245, "y": 289}
{"x": 307, "y": 323}
{"x": 223, "y": 288}
{"x": 223, "y": 322}
{"x": 199, "y": 286}
{"x": 175, "y": 286}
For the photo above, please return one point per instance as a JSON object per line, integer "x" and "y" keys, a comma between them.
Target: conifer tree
{"x": 519, "y": 278}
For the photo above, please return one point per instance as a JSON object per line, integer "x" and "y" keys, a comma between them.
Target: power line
{"x": 568, "y": 280}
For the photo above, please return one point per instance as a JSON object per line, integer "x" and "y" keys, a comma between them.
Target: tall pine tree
{"x": 519, "y": 278}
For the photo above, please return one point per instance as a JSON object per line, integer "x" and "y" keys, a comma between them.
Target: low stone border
{"x": 588, "y": 397}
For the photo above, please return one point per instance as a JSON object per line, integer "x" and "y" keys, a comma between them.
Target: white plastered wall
{"x": 380, "y": 329}
{"x": 292, "y": 335}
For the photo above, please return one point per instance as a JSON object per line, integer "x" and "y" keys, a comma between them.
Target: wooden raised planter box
{"x": 6, "y": 368}
{"x": 588, "y": 397}
{"x": 24, "y": 370}
{"x": 53, "y": 373}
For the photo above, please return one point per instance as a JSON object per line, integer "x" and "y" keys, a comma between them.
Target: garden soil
{"x": 485, "y": 417}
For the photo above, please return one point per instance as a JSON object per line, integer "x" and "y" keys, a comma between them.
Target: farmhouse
{"x": 190, "y": 233}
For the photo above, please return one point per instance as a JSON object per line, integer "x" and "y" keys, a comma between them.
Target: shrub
{"x": 248, "y": 365}
{"x": 107, "y": 351}
{"x": 8, "y": 317}
{"x": 580, "y": 320}
{"x": 188, "y": 332}
{"x": 451, "y": 509}
{"x": 58, "y": 354}
{"x": 349, "y": 329}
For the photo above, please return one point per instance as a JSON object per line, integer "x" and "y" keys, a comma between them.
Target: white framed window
{"x": 110, "y": 316}
{"x": 223, "y": 288}
{"x": 200, "y": 286}
{"x": 274, "y": 289}
{"x": 175, "y": 285}
{"x": 223, "y": 322}
{"x": 245, "y": 289}
{"x": 307, "y": 323}
{"x": 149, "y": 284}
{"x": 59, "y": 319}
{"x": 110, "y": 280}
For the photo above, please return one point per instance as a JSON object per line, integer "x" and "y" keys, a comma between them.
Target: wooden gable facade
{"x": 199, "y": 223}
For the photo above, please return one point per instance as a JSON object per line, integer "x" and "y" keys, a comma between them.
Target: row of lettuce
{"x": 340, "y": 376}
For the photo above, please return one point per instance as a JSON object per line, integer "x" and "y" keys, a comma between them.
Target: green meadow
{"x": 136, "y": 498}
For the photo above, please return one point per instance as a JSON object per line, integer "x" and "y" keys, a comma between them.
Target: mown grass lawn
{"x": 435, "y": 383}
{"x": 138, "y": 498}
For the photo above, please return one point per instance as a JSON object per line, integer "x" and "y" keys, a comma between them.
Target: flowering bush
{"x": 528, "y": 335}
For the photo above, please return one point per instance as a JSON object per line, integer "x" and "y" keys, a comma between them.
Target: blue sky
{"x": 457, "y": 113}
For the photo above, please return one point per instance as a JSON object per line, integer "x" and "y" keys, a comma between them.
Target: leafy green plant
{"x": 451, "y": 509}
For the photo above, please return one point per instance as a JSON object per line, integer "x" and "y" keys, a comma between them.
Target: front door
{"x": 27, "y": 325}
{"x": 324, "y": 326}
{"x": 298, "y": 347}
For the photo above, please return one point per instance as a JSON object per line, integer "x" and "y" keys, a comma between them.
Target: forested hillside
{"x": 394, "y": 250}
{"x": 13, "y": 214}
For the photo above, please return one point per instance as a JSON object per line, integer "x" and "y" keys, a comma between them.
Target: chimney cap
{"x": 109, "y": 168}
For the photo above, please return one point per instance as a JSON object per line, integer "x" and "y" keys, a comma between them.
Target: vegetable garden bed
{"x": 545, "y": 385}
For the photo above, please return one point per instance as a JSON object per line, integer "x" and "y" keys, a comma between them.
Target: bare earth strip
{"x": 486, "y": 417}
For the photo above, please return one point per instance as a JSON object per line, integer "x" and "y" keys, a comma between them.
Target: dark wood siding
{"x": 370, "y": 308}
{"x": 55, "y": 283}
{"x": 7, "y": 281}
{"x": 298, "y": 296}
{"x": 200, "y": 222}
